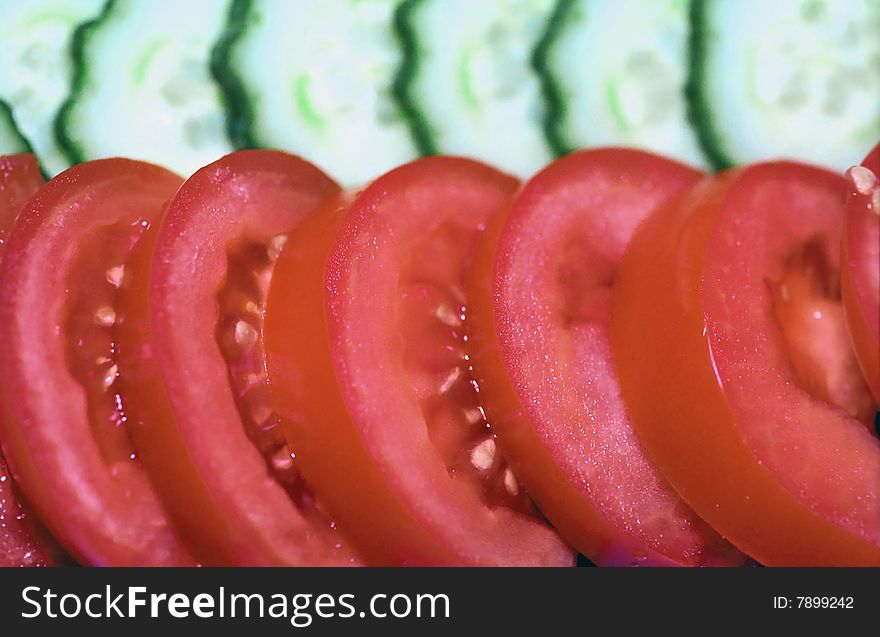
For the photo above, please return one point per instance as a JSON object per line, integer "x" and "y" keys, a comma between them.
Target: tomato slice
{"x": 860, "y": 271}
{"x": 193, "y": 369}
{"x": 731, "y": 390}
{"x": 64, "y": 430}
{"x": 368, "y": 366}
{"x": 23, "y": 540}
{"x": 540, "y": 304}
{"x": 20, "y": 177}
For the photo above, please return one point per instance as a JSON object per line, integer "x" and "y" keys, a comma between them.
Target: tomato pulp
{"x": 193, "y": 366}
{"x": 860, "y": 269}
{"x": 539, "y": 346}
{"x": 733, "y": 359}
{"x": 23, "y": 540}
{"x": 368, "y": 365}
{"x": 64, "y": 430}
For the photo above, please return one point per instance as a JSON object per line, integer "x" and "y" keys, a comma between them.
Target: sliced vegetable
{"x": 368, "y": 367}
{"x": 192, "y": 366}
{"x": 538, "y": 342}
{"x": 466, "y": 81}
{"x": 19, "y": 179}
{"x": 64, "y": 426}
{"x": 327, "y": 91}
{"x": 36, "y": 71}
{"x": 23, "y": 540}
{"x": 734, "y": 360}
{"x": 793, "y": 78}
{"x": 142, "y": 86}
{"x": 860, "y": 269}
{"x": 614, "y": 73}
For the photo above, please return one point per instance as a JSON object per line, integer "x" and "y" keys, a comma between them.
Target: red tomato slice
{"x": 23, "y": 540}
{"x": 540, "y": 304}
{"x": 20, "y": 178}
{"x": 860, "y": 274}
{"x": 63, "y": 430}
{"x": 367, "y": 360}
{"x": 193, "y": 369}
{"x": 730, "y": 386}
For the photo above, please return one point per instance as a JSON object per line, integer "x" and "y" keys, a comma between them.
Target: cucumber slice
{"x": 614, "y": 72}
{"x": 313, "y": 77}
{"x": 11, "y": 140}
{"x": 142, "y": 85}
{"x": 789, "y": 78}
{"x": 467, "y": 81}
{"x": 35, "y": 72}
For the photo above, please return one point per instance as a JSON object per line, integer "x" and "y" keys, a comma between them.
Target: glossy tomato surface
{"x": 64, "y": 429}
{"x": 20, "y": 177}
{"x": 539, "y": 320}
{"x": 860, "y": 266}
{"x": 367, "y": 357}
{"x": 731, "y": 348}
{"x": 193, "y": 367}
{"x": 23, "y": 540}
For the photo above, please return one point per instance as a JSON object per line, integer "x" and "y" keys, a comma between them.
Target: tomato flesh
{"x": 541, "y": 308}
{"x": 860, "y": 271}
{"x": 707, "y": 371}
{"x": 192, "y": 363}
{"x": 63, "y": 430}
{"x": 368, "y": 363}
{"x": 23, "y": 540}
{"x": 20, "y": 178}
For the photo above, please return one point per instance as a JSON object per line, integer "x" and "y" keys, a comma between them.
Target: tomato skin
{"x": 860, "y": 272}
{"x": 23, "y": 540}
{"x": 104, "y": 512}
{"x": 663, "y": 340}
{"x": 302, "y": 268}
{"x": 187, "y": 425}
{"x": 592, "y": 200}
{"x": 20, "y": 177}
{"x": 384, "y": 482}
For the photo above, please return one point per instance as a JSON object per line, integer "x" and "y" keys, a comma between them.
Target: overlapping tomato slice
{"x": 369, "y": 367}
{"x": 860, "y": 266}
{"x": 224, "y": 371}
{"x": 193, "y": 370}
{"x": 731, "y": 347}
{"x": 64, "y": 430}
{"x": 23, "y": 540}
{"x": 539, "y": 345}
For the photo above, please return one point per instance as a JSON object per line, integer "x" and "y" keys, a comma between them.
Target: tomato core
{"x": 432, "y": 321}
{"x": 242, "y": 301}
{"x": 807, "y": 307}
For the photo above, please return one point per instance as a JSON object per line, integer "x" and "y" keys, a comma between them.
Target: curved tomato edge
{"x": 865, "y": 336}
{"x": 24, "y": 468}
{"x": 310, "y": 280}
{"x": 577, "y": 520}
{"x": 661, "y": 281}
{"x": 202, "y": 519}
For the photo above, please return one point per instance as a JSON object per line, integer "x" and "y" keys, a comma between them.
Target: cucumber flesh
{"x": 617, "y": 69}
{"x": 35, "y": 72}
{"x": 313, "y": 77}
{"x": 143, "y": 87}
{"x": 11, "y": 140}
{"x": 468, "y": 82}
{"x": 790, "y": 78}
